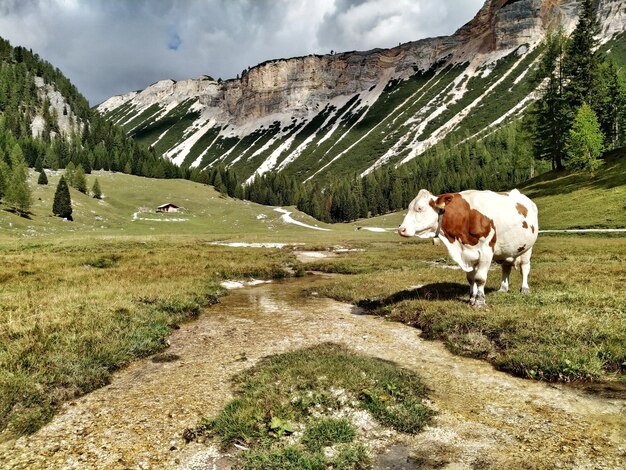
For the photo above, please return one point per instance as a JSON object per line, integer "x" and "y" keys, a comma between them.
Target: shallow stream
{"x": 485, "y": 418}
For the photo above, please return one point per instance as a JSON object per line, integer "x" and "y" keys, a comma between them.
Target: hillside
{"x": 318, "y": 117}
{"x": 569, "y": 200}
{"x": 43, "y": 113}
{"x": 128, "y": 209}
{"x": 566, "y": 199}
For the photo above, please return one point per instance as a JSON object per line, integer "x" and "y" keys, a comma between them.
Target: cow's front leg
{"x": 506, "y": 273}
{"x": 480, "y": 278}
{"x": 472, "y": 284}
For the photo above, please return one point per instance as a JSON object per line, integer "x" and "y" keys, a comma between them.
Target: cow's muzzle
{"x": 402, "y": 231}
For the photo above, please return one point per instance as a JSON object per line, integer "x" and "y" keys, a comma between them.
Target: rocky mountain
{"x": 346, "y": 113}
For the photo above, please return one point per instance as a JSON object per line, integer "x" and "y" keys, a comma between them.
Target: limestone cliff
{"x": 287, "y": 95}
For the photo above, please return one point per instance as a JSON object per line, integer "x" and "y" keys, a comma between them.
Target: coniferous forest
{"x": 87, "y": 142}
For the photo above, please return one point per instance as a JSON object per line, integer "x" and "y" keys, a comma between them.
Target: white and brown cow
{"x": 477, "y": 227}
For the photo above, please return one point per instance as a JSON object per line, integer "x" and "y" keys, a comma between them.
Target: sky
{"x": 110, "y": 47}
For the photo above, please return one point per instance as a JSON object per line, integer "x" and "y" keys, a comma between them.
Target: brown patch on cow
{"x": 524, "y": 224}
{"x": 443, "y": 200}
{"x": 521, "y": 248}
{"x": 521, "y": 208}
{"x": 532, "y": 228}
{"x": 461, "y": 222}
{"x": 503, "y": 194}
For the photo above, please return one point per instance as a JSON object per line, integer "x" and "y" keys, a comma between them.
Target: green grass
{"x": 572, "y": 327}
{"x": 128, "y": 210}
{"x": 70, "y": 314}
{"x": 81, "y": 299}
{"x": 579, "y": 199}
{"x": 285, "y": 409}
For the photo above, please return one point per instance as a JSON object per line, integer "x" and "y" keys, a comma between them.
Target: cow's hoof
{"x": 525, "y": 290}
{"x": 479, "y": 304}
{"x": 503, "y": 289}
{"x": 472, "y": 301}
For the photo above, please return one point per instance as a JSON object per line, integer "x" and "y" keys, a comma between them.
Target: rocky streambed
{"x": 485, "y": 418}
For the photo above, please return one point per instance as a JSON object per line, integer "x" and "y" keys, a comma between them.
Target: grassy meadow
{"x": 309, "y": 396}
{"x": 81, "y": 299}
{"x": 571, "y": 327}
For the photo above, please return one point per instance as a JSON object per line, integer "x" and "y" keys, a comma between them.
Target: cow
{"x": 477, "y": 227}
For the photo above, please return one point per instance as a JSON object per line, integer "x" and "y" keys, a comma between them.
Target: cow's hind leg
{"x": 473, "y": 288}
{"x": 525, "y": 268}
{"x": 506, "y": 273}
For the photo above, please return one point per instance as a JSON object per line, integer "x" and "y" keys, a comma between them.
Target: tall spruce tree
{"x": 585, "y": 141}
{"x": 552, "y": 112}
{"x": 62, "y": 205}
{"x": 80, "y": 181}
{"x": 611, "y": 104}
{"x": 582, "y": 59}
{"x": 18, "y": 194}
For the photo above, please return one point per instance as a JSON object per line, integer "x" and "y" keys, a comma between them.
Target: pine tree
{"x": 62, "y": 205}
{"x": 95, "y": 190}
{"x": 611, "y": 103}
{"x": 70, "y": 169}
{"x": 551, "y": 114}
{"x": 585, "y": 141}
{"x": 582, "y": 59}
{"x": 80, "y": 181}
{"x": 43, "y": 179}
{"x": 18, "y": 194}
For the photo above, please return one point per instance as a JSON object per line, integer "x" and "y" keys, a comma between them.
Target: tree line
{"x": 500, "y": 160}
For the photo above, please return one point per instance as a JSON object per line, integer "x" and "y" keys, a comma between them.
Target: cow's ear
{"x": 442, "y": 200}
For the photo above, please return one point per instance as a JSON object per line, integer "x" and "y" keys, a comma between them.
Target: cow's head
{"x": 422, "y": 218}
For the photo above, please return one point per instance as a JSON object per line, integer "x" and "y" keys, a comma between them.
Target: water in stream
{"x": 485, "y": 418}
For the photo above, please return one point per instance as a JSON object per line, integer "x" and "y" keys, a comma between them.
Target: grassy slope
{"x": 207, "y": 214}
{"x": 580, "y": 200}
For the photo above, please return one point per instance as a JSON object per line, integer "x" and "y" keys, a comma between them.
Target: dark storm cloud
{"x": 109, "y": 47}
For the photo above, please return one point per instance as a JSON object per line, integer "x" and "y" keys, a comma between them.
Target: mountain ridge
{"x": 303, "y": 115}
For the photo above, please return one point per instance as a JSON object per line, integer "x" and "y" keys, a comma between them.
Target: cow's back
{"x": 515, "y": 218}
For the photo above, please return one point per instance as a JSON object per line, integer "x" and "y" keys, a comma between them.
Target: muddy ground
{"x": 485, "y": 418}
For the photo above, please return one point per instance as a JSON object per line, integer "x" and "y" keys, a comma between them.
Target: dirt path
{"x": 486, "y": 419}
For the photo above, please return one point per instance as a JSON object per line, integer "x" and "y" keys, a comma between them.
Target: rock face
{"x": 66, "y": 120}
{"x": 293, "y": 92}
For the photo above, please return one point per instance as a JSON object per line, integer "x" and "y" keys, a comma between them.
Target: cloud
{"x": 108, "y": 47}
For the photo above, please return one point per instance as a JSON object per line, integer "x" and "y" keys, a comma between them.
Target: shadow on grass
{"x": 435, "y": 291}
{"x": 611, "y": 175}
